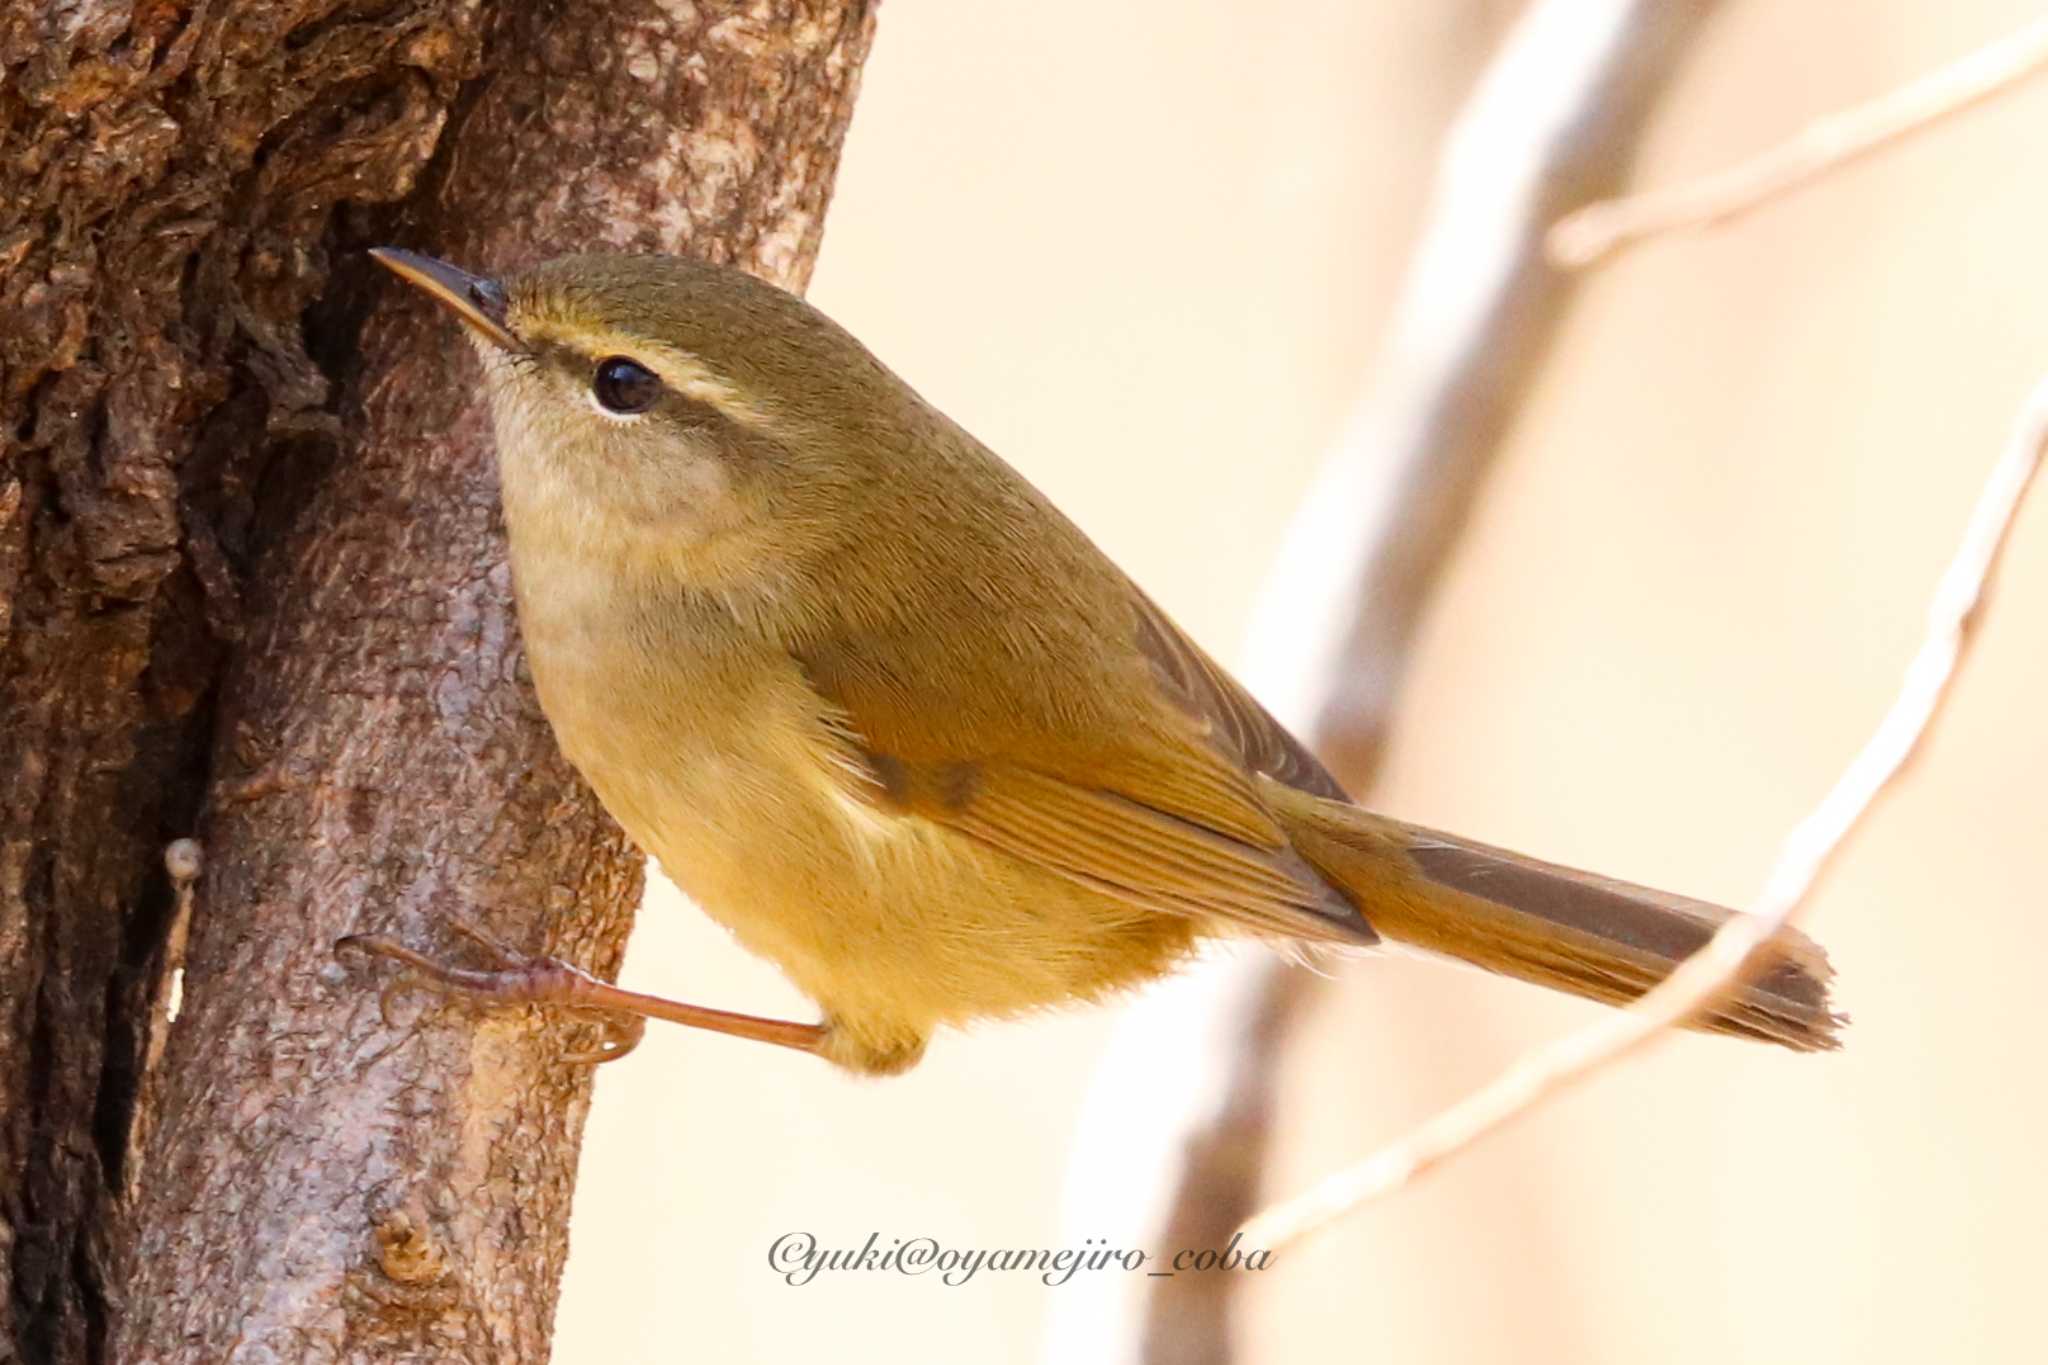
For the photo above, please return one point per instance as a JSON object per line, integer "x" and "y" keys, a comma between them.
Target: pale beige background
{"x": 1143, "y": 248}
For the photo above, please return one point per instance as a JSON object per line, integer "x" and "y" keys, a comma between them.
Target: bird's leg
{"x": 517, "y": 978}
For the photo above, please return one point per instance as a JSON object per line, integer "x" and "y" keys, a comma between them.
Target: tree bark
{"x": 253, "y": 587}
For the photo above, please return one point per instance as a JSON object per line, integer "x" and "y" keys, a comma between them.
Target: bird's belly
{"x": 889, "y": 922}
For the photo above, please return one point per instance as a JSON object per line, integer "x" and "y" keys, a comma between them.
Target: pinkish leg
{"x": 517, "y": 978}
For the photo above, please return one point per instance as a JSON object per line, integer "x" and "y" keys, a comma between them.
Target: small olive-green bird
{"x": 898, "y": 724}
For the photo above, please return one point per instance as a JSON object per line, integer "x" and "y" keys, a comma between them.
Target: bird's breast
{"x": 711, "y": 749}
{"x": 718, "y": 757}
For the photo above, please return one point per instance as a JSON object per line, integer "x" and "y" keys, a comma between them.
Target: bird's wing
{"x": 1144, "y": 788}
{"x": 1189, "y": 678}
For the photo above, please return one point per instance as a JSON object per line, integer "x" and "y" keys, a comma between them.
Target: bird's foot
{"x": 517, "y": 978}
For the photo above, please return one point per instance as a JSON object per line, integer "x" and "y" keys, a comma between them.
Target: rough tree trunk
{"x": 252, "y": 588}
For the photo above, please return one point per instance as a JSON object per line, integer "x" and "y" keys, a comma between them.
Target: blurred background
{"x": 1145, "y": 250}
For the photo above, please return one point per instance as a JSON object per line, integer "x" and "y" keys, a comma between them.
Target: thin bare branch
{"x": 1554, "y": 122}
{"x": 1808, "y": 852}
{"x": 1583, "y": 237}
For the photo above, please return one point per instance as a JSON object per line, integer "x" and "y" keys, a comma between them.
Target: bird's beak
{"x": 479, "y": 302}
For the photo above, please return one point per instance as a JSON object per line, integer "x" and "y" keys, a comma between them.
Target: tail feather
{"x": 1555, "y": 926}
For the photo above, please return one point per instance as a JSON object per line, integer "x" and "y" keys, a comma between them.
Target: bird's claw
{"x": 622, "y": 1033}
{"x": 514, "y": 978}
{"x": 500, "y": 952}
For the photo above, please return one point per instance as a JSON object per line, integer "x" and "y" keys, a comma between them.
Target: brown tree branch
{"x": 1808, "y": 852}
{"x": 1554, "y": 123}
{"x": 252, "y": 587}
{"x": 1581, "y": 238}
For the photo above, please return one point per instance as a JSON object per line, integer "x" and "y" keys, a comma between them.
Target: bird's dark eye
{"x": 625, "y": 386}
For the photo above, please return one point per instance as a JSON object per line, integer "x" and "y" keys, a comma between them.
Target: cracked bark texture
{"x": 252, "y": 587}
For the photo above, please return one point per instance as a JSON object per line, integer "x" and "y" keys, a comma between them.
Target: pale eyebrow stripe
{"x": 679, "y": 369}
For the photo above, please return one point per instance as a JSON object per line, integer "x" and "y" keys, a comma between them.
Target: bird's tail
{"x": 1569, "y": 930}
